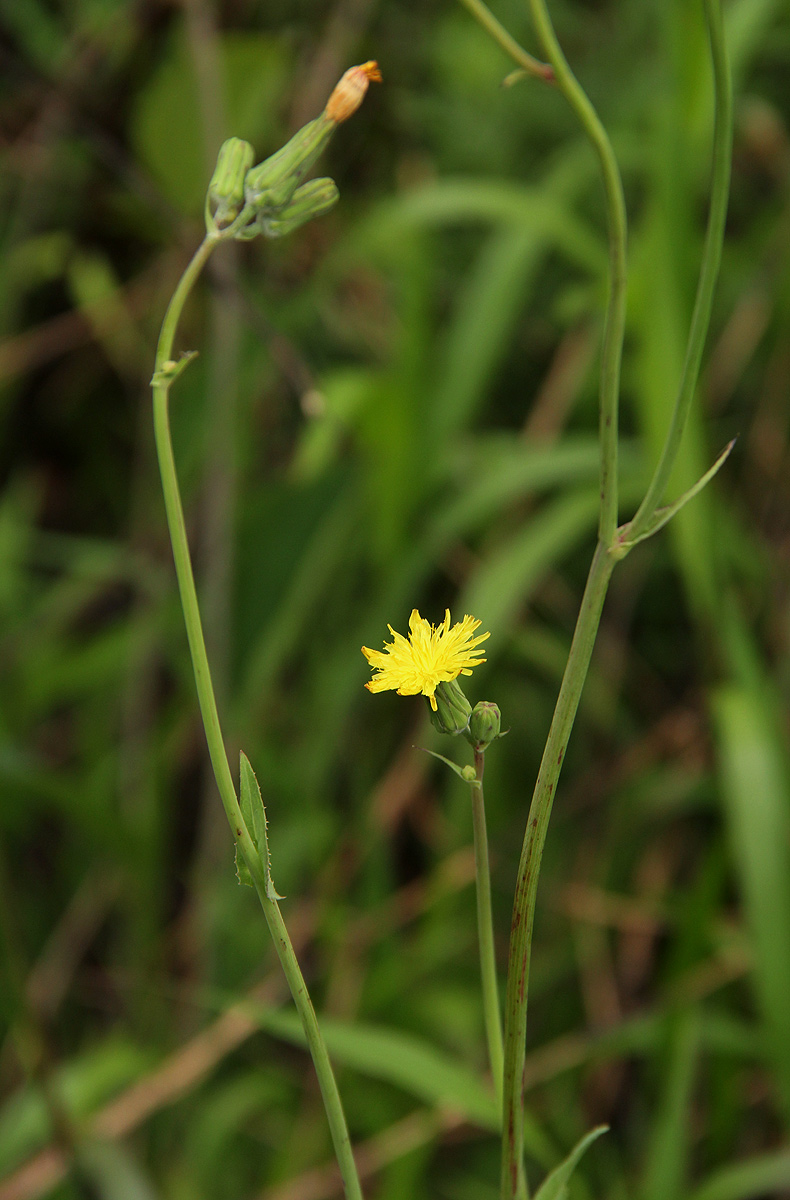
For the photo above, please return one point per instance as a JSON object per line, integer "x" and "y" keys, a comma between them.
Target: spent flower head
{"x": 349, "y": 93}
{"x": 432, "y": 654}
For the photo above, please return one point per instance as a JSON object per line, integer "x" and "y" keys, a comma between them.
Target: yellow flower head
{"x": 432, "y": 654}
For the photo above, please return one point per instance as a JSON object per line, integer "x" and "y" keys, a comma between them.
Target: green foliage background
{"x": 394, "y": 408}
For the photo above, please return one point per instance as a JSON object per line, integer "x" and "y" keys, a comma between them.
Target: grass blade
{"x": 755, "y": 792}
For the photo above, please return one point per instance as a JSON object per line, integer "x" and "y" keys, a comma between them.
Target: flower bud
{"x": 452, "y": 711}
{"x": 484, "y": 724}
{"x": 226, "y": 190}
{"x": 271, "y": 185}
{"x": 350, "y": 91}
{"x": 312, "y": 199}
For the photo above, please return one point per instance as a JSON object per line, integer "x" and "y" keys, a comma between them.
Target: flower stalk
{"x": 709, "y": 273}
{"x": 492, "y": 1014}
{"x": 163, "y": 375}
{"x": 613, "y": 542}
{"x": 429, "y": 662}
{"x": 527, "y": 63}
{"x": 513, "y": 1178}
{"x": 614, "y": 323}
{"x": 243, "y": 201}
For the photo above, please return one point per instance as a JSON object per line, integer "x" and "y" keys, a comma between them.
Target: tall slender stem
{"x": 614, "y": 326}
{"x": 709, "y": 270}
{"x": 513, "y": 1178}
{"x": 211, "y": 724}
{"x": 513, "y": 1181}
{"x": 485, "y": 931}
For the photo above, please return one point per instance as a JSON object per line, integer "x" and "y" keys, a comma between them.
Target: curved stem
{"x": 513, "y": 1178}
{"x": 614, "y": 326}
{"x": 485, "y": 931}
{"x": 709, "y": 270}
{"x": 533, "y": 66}
{"x": 213, "y": 730}
{"x": 178, "y": 539}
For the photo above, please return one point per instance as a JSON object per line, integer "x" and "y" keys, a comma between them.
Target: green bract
{"x": 312, "y": 199}
{"x": 453, "y": 710}
{"x": 484, "y": 724}
{"x": 225, "y": 197}
{"x": 270, "y": 186}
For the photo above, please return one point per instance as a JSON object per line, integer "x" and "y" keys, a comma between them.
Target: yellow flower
{"x": 431, "y": 655}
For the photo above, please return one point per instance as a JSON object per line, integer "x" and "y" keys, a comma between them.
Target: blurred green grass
{"x": 394, "y": 408}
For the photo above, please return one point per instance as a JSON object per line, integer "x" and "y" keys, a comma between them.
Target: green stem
{"x": 709, "y": 270}
{"x": 486, "y": 18}
{"x": 614, "y": 325}
{"x": 514, "y": 1184}
{"x": 211, "y": 724}
{"x": 513, "y": 1178}
{"x": 485, "y": 931}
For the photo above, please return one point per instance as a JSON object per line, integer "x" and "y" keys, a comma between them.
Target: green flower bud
{"x": 312, "y": 199}
{"x": 225, "y": 196}
{"x": 484, "y": 724}
{"x": 270, "y": 186}
{"x": 452, "y": 711}
{"x": 469, "y": 774}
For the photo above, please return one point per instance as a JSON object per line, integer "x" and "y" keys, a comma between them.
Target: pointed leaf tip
{"x": 466, "y": 773}
{"x": 555, "y": 1185}
{"x": 254, "y": 813}
{"x": 663, "y": 515}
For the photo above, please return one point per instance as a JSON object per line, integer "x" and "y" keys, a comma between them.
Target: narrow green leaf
{"x": 486, "y": 312}
{"x": 662, "y": 515}
{"x": 755, "y": 790}
{"x": 412, "y": 1064}
{"x": 744, "y": 1180}
{"x": 461, "y": 772}
{"x": 555, "y": 1185}
{"x": 505, "y": 579}
{"x": 245, "y": 803}
{"x": 463, "y": 201}
{"x": 254, "y": 813}
{"x": 416, "y": 1066}
{"x": 668, "y": 1149}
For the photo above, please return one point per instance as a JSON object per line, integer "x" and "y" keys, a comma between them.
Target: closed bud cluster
{"x": 272, "y": 198}
{"x": 452, "y": 711}
{"x": 484, "y": 724}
